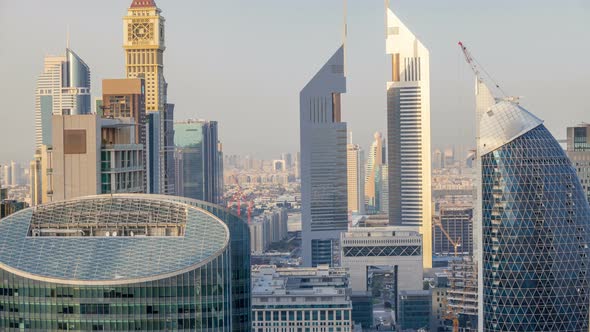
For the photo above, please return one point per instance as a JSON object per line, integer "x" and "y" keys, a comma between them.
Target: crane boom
{"x": 478, "y": 69}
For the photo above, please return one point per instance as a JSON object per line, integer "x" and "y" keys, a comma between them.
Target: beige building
{"x": 375, "y": 159}
{"x": 397, "y": 249}
{"x": 75, "y": 156}
{"x": 355, "y": 183}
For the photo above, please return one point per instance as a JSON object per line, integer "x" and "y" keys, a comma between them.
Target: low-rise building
{"x": 414, "y": 310}
{"x": 300, "y": 299}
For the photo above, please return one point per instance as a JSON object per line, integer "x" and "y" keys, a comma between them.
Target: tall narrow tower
{"x": 62, "y": 89}
{"x": 144, "y": 50}
{"x": 324, "y": 196}
{"x": 144, "y": 46}
{"x": 408, "y": 132}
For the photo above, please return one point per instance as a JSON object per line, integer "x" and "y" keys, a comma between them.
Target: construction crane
{"x": 240, "y": 197}
{"x": 478, "y": 69}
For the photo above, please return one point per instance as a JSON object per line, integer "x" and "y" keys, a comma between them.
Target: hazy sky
{"x": 243, "y": 62}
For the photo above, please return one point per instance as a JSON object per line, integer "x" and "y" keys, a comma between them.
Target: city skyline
{"x": 451, "y": 82}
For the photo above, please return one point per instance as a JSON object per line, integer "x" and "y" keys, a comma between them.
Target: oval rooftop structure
{"x": 108, "y": 240}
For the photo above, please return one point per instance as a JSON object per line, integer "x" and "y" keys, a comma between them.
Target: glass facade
{"x": 194, "y": 301}
{"x": 122, "y": 294}
{"x": 200, "y": 169}
{"x": 240, "y": 263}
{"x": 535, "y": 226}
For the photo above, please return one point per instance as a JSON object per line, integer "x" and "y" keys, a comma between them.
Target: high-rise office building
{"x": 124, "y": 99}
{"x": 200, "y": 282}
{"x": 534, "y": 227}
{"x": 199, "y": 167}
{"x": 375, "y": 159}
{"x": 456, "y": 223}
{"x": 324, "y": 198}
{"x": 144, "y": 44}
{"x": 408, "y": 131}
{"x": 63, "y": 89}
{"x": 578, "y": 150}
{"x": 93, "y": 155}
{"x": 356, "y": 194}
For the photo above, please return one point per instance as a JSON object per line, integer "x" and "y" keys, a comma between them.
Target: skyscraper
{"x": 63, "y": 89}
{"x": 323, "y": 163}
{"x": 534, "y": 228}
{"x": 375, "y": 159}
{"x": 408, "y": 132}
{"x": 578, "y": 150}
{"x": 144, "y": 46}
{"x": 354, "y": 157}
{"x": 198, "y": 161}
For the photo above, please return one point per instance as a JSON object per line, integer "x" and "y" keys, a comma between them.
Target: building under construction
{"x": 462, "y": 294}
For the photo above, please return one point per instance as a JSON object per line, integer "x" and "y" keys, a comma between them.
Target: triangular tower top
{"x": 143, "y": 3}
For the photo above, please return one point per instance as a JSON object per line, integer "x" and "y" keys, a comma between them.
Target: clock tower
{"x": 143, "y": 34}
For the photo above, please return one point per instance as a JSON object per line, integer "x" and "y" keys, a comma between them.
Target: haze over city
{"x": 295, "y": 166}
{"x": 222, "y": 66}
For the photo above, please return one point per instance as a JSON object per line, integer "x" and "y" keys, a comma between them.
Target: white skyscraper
{"x": 62, "y": 89}
{"x": 323, "y": 163}
{"x": 408, "y": 130}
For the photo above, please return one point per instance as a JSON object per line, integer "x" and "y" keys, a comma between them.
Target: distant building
{"x": 457, "y": 221}
{"x": 578, "y": 151}
{"x": 408, "y": 132}
{"x": 437, "y": 159}
{"x": 324, "y": 198}
{"x": 62, "y": 89}
{"x": 199, "y": 160}
{"x": 294, "y": 299}
{"x": 9, "y": 206}
{"x": 7, "y": 175}
{"x": 267, "y": 228}
{"x": 279, "y": 165}
{"x": 288, "y": 158}
{"x": 414, "y": 310}
{"x": 375, "y": 159}
{"x": 355, "y": 182}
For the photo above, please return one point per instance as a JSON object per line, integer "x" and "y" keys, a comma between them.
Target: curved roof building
{"x": 119, "y": 263}
{"x": 535, "y": 223}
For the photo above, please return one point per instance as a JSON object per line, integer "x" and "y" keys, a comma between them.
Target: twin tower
{"x": 323, "y": 147}
{"x": 532, "y": 218}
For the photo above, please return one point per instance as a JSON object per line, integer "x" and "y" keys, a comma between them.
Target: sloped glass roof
{"x": 101, "y": 259}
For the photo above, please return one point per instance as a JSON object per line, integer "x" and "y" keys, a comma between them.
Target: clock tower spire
{"x": 143, "y": 41}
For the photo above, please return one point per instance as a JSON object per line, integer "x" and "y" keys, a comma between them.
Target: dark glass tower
{"x": 534, "y": 227}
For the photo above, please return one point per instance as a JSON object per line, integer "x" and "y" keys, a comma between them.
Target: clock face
{"x": 141, "y": 31}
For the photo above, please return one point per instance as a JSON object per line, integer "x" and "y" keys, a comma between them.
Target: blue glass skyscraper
{"x": 535, "y": 223}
